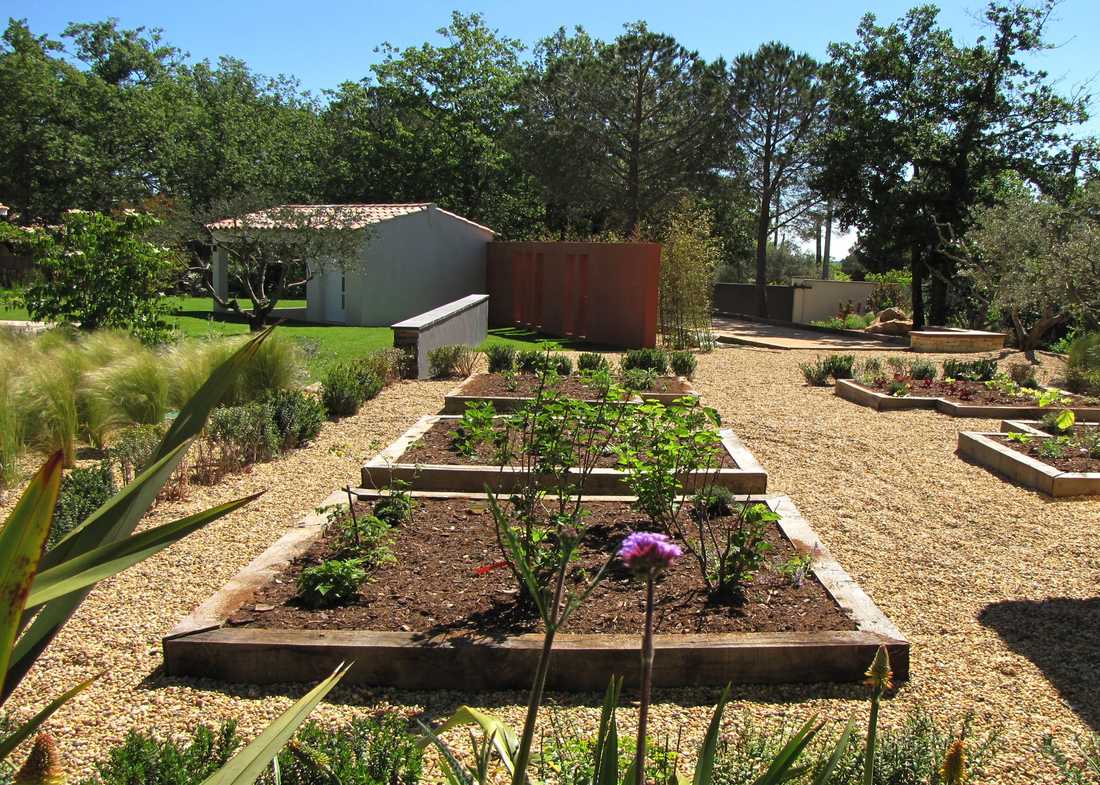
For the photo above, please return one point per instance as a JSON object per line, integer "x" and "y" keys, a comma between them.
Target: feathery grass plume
{"x": 954, "y": 764}
{"x": 48, "y": 396}
{"x": 130, "y": 391}
{"x": 11, "y": 424}
{"x": 191, "y": 363}
{"x": 278, "y": 365}
{"x": 104, "y": 347}
{"x": 43, "y": 765}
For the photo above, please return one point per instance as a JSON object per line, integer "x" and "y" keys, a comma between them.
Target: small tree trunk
{"x": 762, "y": 222}
{"x": 826, "y": 262}
{"x": 916, "y": 267}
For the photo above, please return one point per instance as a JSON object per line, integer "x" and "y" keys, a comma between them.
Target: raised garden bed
{"x": 740, "y": 471}
{"x": 430, "y": 621}
{"x": 507, "y": 394}
{"x": 1067, "y": 475}
{"x": 949, "y": 399}
{"x": 951, "y": 340}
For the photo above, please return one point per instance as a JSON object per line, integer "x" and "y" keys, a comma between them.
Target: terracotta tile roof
{"x": 353, "y": 216}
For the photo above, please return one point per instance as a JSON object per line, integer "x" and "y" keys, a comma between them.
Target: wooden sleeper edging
{"x": 865, "y": 396}
{"x": 985, "y": 450}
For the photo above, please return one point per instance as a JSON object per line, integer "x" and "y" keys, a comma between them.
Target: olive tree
{"x": 271, "y": 253}
{"x": 1035, "y": 260}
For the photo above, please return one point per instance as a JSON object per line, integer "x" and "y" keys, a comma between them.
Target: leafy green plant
{"x": 530, "y": 360}
{"x": 981, "y": 370}
{"x": 639, "y": 379}
{"x": 331, "y": 583}
{"x": 387, "y": 365}
{"x": 443, "y": 360}
{"x": 500, "y": 358}
{"x": 655, "y": 360}
{"x": 1019, "y": 437}
{"x": 244, "y": 434}
{"x": 345, "y": 386}
{"x": 922, "y": 370}
{"x": 563, "y": 365}
{"x": 364, "y": 539}
{"x": 870, "y": 370}
{"x": 1053, "y": 447}
{"x": 729, "y": 546}
{"x": 1083, "y": 364}
{"x": 590, "y": 361}
{"x": 796, "y": 569}
{"x": 475, "y": 428}
{"x": 840, "y": 365}
{"x": 133, "y": 448}
{"x": 365, "y": 751}
{"x": 143, "y": 759}
{"x": 297, "y": 415}
{"x": 397, "y": 505}
{"x": 897, "y": 388}
{"x": 83, "y": 491}
{"x": 899, "y": 366}
{"x": 683, "y": 363}
{"x": 1059, "y": 422}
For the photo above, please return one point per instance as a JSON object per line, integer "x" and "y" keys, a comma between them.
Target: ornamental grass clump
{"x": 647, "y": 555}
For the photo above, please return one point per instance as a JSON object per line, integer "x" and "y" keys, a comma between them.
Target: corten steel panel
{"x": 604, "y": 293}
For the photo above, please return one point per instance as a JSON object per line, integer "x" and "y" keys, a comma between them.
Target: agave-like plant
{"x": 40, "y": 589}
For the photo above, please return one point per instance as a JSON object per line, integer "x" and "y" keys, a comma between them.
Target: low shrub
{"x": 530, "y": 360}
{"x": 366, "y": 751}
{"x": 396, "y": 507}
{"x": 83, "y": 491}
{"x": 562, "y": 364}
{"x": 244, "y": 434}
{"x": 132, "y": 449}
{"x": 981, "y": 370}
{"x": 446, "y": 361}
{"x": 840, "y": 366}
{"x": 655, "y": 360}
{"x": 388, "y": 365}
{"x": 365, "y": 539}
{"x": 815, "y": 373}
{"x": 869, "y": 371}
{"x": 683, "y": 363}
{"x": 298, "y": 417}
{"x": 143, "y": 759}
{"x": 924, "y": 370}
{"x": 500, "y": 358}
{"x": 1023, "y": 374}
{"x": 897, "y": 388}
{"x": 1083, "y": 365}
{"x": 330, "y": 583}
{"x": 639, "y": 379}
{"x": 590, "y": 361}
{"x": 346, "y": 385}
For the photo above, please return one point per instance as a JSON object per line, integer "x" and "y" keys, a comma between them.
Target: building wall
{"x": 739, "y": 299}
{"x": 602, "y": 293}
{"x": 465, "y": 322}
{"x": 816, "y": 299}
{"x": 409, "y": 265}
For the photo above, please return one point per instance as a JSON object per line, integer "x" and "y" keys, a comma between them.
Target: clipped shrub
{"x": 1023, "y": 373}
{"x": 924, "y": 370}
{"x": 298, "y": 417}
{"x": 529, "y": 360}
{"x": 590, "y": 361}
{"x": 330, "y": 583}
{"x": 366, "y": 751}
{"x": 840, "y": 366}
{"x": 982, "y": 370}
{"x": 244, "y": 434}
{"x": 500, "y": 358}
{"x": 388, "y": 365}
{"x": 683, "y": 364}
{"x": 143, "y": 759}
{"x": 562, "y": 364}
{"x": 651, "y": 359}
{"x": 83, "y": 491}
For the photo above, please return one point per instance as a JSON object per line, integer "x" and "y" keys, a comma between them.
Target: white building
{"x": 416, "y": 257}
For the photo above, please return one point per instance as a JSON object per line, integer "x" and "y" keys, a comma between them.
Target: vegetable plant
{"x": 475, "y": 428}
{"x": 638, "y": 379}
{"x": 981, "y": 370}
{"x": 330, "y": 583}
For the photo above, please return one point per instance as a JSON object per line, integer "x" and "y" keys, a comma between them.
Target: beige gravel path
{"x": 996, "y": 586}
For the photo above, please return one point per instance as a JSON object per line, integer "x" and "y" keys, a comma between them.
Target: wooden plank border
{"x": 855, "y": 392}
{"x": 202, "y": 646}
{"x": 386, "y": 467}
{"x": 984, "y": 450}
{"x": 454, "y": 402}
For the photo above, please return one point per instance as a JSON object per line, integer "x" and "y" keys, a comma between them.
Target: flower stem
{"x": 647, "y": 680}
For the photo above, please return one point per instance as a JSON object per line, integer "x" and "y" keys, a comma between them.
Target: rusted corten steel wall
{"x": 601, "y": 293}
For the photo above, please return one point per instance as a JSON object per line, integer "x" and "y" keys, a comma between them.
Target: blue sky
{"x": 324, "y": 43}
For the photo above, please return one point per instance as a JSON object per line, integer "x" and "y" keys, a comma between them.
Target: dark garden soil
{"x": 1074, "y": 460}
{"x": 436, "y": 446}
{"x": 448, "y": 579}
{"x": 973, "y": 393}
{"x": 525, "y": 385}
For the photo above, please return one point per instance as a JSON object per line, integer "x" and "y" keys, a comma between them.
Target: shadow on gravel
{"x": 1061, "y": 636}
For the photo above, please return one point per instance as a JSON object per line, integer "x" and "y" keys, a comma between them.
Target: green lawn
{"x": 324, "y": 344}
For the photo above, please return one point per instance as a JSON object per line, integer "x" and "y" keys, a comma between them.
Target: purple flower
{"x": 648, "y": 552}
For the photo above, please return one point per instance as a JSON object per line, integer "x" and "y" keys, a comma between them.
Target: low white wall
{"x": 816, "y": 299}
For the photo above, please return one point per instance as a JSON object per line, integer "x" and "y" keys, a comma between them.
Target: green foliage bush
{"x": 133, "y": 448}
{"x": 834, "y": 366}
{"x": 815, "y": 373}
{"x": 639, "y": 379}
{"x": 683, "y": 363}
{"x": 330, "y": 583}
{"x": 924, "y": 370}
{"x": 142, "y": 759}
{"x": 396, "y": 507}
{"x": 562, "y": 364}
{"x": 655, "y": 360}
{"x": 590, "y": 361}
{"x": 388, "y": 365}
{"x": 1023, "y": 374}
{"x": 981, "y": 370}
{"x": 298, "y": 417}
{"x": 346, "y": 385}
{"x": 500, "y": 358}
{"x": 840, "y": 365}
{"x": 529, "y": 360}
{"x": 443, "y": 361}
{"x": 1083, "y": 364}
{"x": 244, "y": 434}
{"x": 83, "y": 491}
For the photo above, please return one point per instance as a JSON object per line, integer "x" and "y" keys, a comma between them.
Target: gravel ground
{"x": 994, "y": 585}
